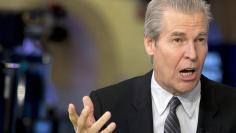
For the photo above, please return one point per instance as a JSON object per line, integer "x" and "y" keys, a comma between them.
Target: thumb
{"x": 88, "y": 102}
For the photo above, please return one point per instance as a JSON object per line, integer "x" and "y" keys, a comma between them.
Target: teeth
{"x": 185, "y": 74}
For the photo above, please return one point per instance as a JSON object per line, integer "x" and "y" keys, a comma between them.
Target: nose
{"x": 191, "y": 52}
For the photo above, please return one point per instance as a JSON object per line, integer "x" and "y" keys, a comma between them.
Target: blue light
{"x": 213, "y": 67}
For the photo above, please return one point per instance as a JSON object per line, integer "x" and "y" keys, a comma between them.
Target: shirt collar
{"x": 162, "y": 97}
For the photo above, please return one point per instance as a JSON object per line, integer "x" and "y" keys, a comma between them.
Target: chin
{"x": 186, "y": 87}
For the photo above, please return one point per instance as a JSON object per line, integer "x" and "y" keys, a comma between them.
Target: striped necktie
{"x": 172, "y": 123}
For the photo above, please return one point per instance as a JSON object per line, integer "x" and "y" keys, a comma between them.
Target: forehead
{"x": 175, "y": 20}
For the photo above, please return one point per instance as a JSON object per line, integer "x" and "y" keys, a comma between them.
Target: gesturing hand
{"x": 85, "y": 123}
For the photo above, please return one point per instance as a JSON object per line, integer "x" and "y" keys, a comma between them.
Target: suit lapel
{"x": 208, "y": 109}
{"x": 140, "y": 118}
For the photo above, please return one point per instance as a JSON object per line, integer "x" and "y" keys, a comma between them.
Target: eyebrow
{"x": 202, "y": 34}
{"x": 183, "y": 34}
{"x": 177, "y": 34}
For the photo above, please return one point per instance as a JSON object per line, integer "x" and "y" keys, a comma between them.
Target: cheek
{"x": 202, "y": 54}
{"x": 166, "y": 63}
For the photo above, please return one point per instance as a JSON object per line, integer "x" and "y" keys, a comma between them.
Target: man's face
{"x": 180, "y": 51}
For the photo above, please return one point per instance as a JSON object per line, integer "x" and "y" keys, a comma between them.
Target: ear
{"x": 149, "y": 44}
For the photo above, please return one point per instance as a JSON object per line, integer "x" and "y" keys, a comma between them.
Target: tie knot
{"x": 174, "y": 103}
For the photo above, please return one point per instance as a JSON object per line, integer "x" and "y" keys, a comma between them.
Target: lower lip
{"x": 188, "y": 77}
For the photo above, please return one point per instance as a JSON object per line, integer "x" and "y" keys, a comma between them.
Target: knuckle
{"x": 103, "y": 118}
{"x": 106, "y": 116}
{"x": 84, "y": 113}
{"x": 73, "y": 118}
{"x": 79, "y": 124}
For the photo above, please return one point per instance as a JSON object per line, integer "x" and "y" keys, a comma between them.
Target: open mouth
{"x": 187, "y": 72}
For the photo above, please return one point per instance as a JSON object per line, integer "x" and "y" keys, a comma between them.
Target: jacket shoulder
{"x": 117, "y": 98}
{"x": 223, "y": 93}
{"x": 121, "y": 90}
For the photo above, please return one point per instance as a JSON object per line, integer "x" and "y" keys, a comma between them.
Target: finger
{"x": 81, "y": 122}
{"x": 101, "y": 121}
{"x": 72, "y": 114}
{"x": 110, "y": 128}
{"x": 88, "y": 102}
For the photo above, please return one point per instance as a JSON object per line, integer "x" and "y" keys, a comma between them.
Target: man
{"x": 172, "y": 98}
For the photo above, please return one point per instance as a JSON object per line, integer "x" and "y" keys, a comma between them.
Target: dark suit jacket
{"x": 131, "y": 107}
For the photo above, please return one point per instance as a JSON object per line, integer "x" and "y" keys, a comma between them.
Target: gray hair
{"x": 155, "y": 9}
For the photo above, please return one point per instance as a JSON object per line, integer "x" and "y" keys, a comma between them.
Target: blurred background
{"x": 53, "y": 52}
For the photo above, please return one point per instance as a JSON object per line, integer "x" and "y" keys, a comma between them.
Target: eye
{"x": 201, "y": 40}
{"x": 177, "y": 40}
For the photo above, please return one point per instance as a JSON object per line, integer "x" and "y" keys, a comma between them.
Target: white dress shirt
{"x": 187, "y": 111}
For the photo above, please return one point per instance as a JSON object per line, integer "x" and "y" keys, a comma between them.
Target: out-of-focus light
{"x": 7, "y": 86}
{"x": 12, "y": 65}
{"x": 213, "y": 67}
{"x": 46, "y": 59}
{"x": 21, "y": 91}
